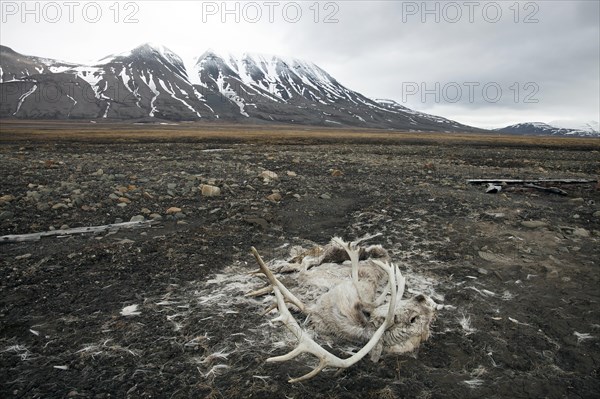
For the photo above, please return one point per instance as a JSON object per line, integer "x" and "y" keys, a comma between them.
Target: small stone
{"x": 173, "y": 210}
{"x": 7, "y": 198}
{"x": 337, "y": 173}
{"x": 137, "y": 218}
{"x": 496, "y": 215}
{"x": 325, "y": 196}
{"x": 24, "y": 256}
{"x": 121, "y": 204}
{"x": 291, "y": 174}
{"x": 99, "y": 172}
{"x": 268, "y": 175}
{"x": 210, "y": 191}
{"x": 181, "y": 222}
{"x": 533, "y": 224}
{"x": 297, "y": 196}
{"x": 118, "y": 220}
{"x": 60, "y": 205}
{"x": 581, "y": 232}
{"x": 147, "y": 195}
{"x": 113, "y": 196}
{"x": 146, "y": 211}
{"x": 577, "y": 201}
{"x": 171, "y": 186}
{"x": 125, "y": 200}
{"x": 275, "y": 197}
{"x": 180, "y": 215}
{"x": 64, "y": 227}
{"x": 596, "y": 214}
{"x": 6, "y": 215}
{"x": 155, "y": 216}
{"x": 43, "y": 206}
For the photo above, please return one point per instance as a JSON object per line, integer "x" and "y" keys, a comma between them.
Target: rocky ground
{"x": 519, "y": 270}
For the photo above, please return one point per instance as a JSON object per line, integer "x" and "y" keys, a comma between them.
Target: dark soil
{"x": 523, "y": 318}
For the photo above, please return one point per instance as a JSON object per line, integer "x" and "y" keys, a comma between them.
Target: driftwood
{"x": 495, "y": 185}
{"x": 532, "y": 181}
{"x": 77, "y": 230}
{"x": 553, "y": 190}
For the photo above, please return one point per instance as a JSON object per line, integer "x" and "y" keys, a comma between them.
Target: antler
{"x": 305, "y": 342}
{"x": 274, "y": 284}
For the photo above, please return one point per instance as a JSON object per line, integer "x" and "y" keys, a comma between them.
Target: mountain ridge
{"x": 152, "y": 82}
{"x": 546, "y": 129}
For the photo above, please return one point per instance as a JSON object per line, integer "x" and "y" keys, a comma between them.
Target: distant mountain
{"x": 586, "y": 126}
{"x": 151, "y": 82}
{"x": 544, "y": 129}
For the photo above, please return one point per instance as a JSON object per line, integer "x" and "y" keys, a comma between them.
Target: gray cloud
{"x": 381, "y": 49}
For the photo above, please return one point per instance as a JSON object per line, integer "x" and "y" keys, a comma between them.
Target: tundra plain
{"x": 160, "y": 311}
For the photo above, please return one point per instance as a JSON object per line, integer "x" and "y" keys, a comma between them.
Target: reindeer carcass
{"x": 360, "y": 302}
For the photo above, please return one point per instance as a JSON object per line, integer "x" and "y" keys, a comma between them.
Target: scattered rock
{"x": 24, "y": 256}
{"x": 60, "y": 205}
{"x": 337, "y": 173}
{"x": 155, "y": 216}
{"x": 596, "y": 214}
{"x": 7, "y": 198}
{"x": 6, "y": 215}
{"x": 581, "y": 232}
{"x": 534, "y": 224}
{"x": 488, "y": 256}
{"x": 275, "y": 197}
{"x": 268, "y": 175}
{"x": 137, "y": 218}
{"x": 210, "y": 191}
{"x": 171, "y": 186}
{"x": 291, "y": 174}
{"x": 125, "y": 200}
{"x": 496, "y": 215}
{"x": 325, "y": 196}
{"x": 122, "y": 204}
{"x": 577, "y": 201}
{"x": 99, "y": 172}
{"x": 113, "y": 196}
{"x": 173, "y": 210}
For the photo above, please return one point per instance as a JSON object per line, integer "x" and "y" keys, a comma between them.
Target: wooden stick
{"x": 76, "y": 230}
{"x": 553, "y": 190}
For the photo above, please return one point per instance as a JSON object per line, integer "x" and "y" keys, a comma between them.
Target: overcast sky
{"x": 483, "y": 63}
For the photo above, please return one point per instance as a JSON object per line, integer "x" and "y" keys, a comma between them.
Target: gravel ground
{"x": 519, "y": 269}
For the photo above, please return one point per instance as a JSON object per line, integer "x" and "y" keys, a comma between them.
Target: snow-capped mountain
{"x": 292, "y": 90}
{"x": 148, "y": 81}
{"x": 151, "y": 82}
{"x": 585, "y": 126}
{"x": 545, "y": 129}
